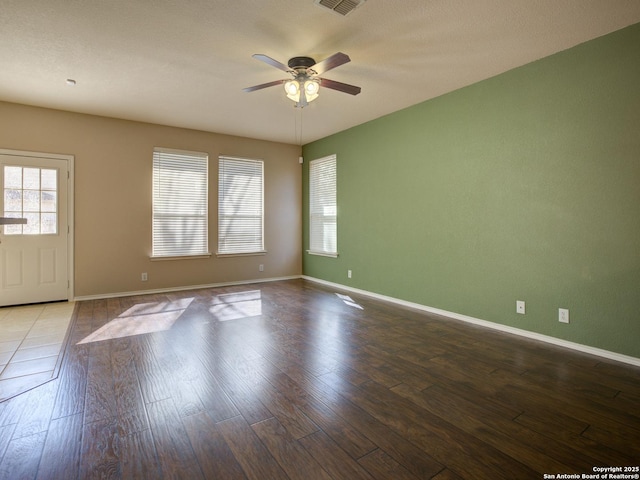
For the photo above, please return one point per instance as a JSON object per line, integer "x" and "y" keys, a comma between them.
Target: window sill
{"x": 181, "y": 257}
{"x": 323, "y": 254}
{"x": 241, "y": 254}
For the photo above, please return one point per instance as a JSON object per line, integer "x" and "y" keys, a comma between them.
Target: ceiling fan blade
{"x": 263, "y": 85}
{"x": 270, "y": 61}
{"x": 333, "y": 61}
{"x": 341, "y": 87}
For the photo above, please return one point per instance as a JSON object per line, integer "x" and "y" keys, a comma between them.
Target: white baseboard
{"x": 619, "y": 357}
{"x": 177, "y": 289}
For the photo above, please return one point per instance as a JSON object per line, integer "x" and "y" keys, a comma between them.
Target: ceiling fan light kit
{"x": 305, "y": 85}
{"x": 310, "y": 87}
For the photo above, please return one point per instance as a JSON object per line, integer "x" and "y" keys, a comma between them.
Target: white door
{"x": 34, "y": 263}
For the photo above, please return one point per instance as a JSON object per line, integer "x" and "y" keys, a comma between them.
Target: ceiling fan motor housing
{"x": 301, "y": 62}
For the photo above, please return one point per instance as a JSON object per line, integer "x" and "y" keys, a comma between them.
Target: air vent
{"x": 342, "y": 7}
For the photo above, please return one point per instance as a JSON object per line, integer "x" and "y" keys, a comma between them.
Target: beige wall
{"x": 113, "y": 166}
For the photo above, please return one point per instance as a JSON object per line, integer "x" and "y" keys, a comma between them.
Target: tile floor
{"x": 31, "y": 340}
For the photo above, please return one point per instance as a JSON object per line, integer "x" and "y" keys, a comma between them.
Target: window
{"x": 31, "y": 193}
{"x": 179, "y": 203}
{"x": 323, "y": 235}
{"x": 240, "y": 206}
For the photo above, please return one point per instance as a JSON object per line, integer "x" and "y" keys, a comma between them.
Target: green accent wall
{"x": 525, "y": 186}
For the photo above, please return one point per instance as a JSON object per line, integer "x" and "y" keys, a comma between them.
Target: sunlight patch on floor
{"x": 140, "y": 319}
{"x": 233, "y": 306}
{"x": 349, "y": 301}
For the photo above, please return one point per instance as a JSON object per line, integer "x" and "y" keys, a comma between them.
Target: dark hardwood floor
{"x": 287, "y": 380}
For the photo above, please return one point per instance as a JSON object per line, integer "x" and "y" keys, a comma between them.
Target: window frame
{"x": 161, "y": 203}
{"x": 225, "y": 170}
{"x": 317, "y": 220}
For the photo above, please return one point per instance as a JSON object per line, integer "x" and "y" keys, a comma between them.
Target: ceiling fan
{"x": 306, "y": 83}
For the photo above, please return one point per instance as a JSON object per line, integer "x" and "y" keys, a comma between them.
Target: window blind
{"x": 240, "y": 206}
{"x": 323, "y": 235}
{"x": 180, "y": 197}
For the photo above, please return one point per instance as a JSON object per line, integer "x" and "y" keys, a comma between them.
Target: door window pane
{"x": 49, "y": 179}
{"x": 31, "y": 178}
{"x": 31, "y": 200}
{"x": 48, "y": 223}
{"x": 33, "y": 224}
{"x": 48, "y": 201}
{"x": 31, "y": 193}
{"x": 12, "y": 177}
{"x": 12, "y": 200}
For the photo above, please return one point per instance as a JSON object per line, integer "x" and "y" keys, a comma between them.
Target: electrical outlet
{"x": 348, "y": 273}
{"x": 520, "y": 307}
{"x": 563, "y": 315}
{"x": 261, "y": 268}
{"x": 144, "y": 277}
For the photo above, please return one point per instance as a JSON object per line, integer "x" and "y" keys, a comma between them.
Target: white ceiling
{"x": 184, "y": 63}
